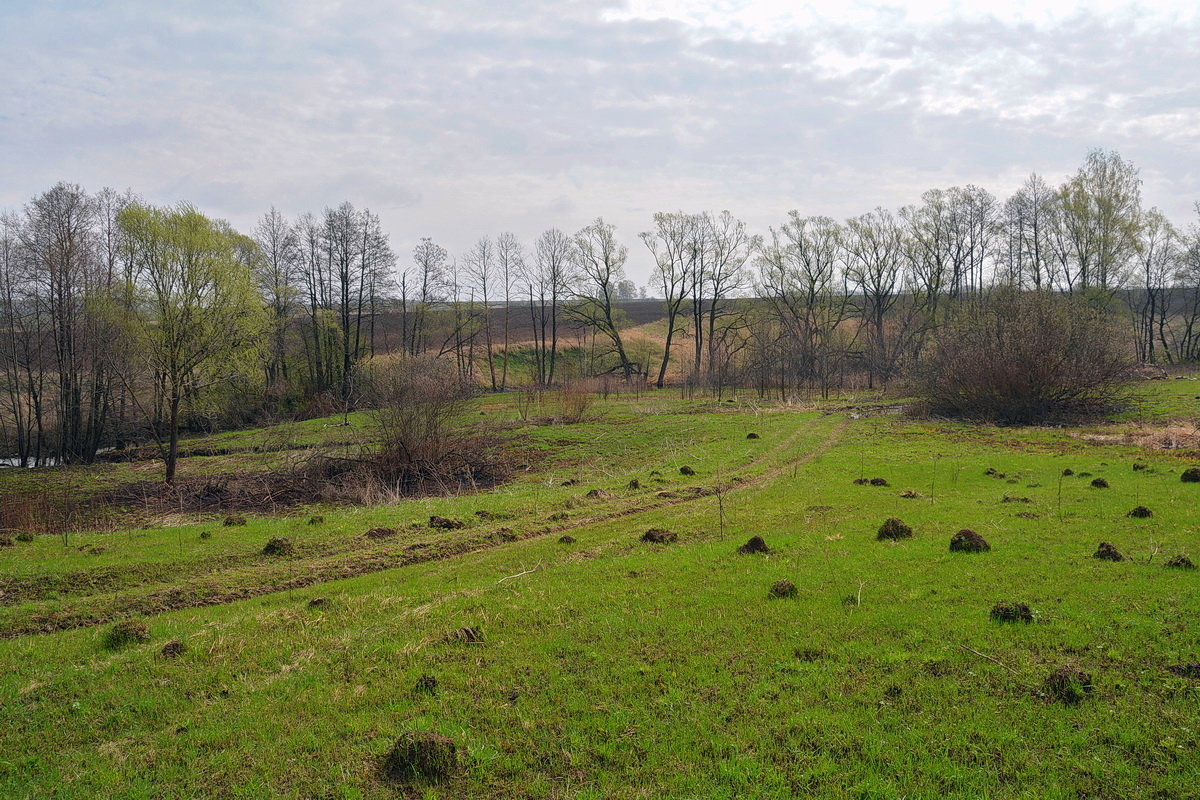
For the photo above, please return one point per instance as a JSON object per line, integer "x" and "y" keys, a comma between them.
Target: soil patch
{"x": 278, "y": 546}
{"x": 421, "y": 755}
{"x": 1069, "y": 684}
{"x": 968, "y": 541}
{"x": 755, "y": 545}
{"x": 783, "y": 588}
{"x": 659, "y": 536}
{"x": 894, "y": 529}
{"x": 1005, "y": 611}
{"x": 1107, "y": 551}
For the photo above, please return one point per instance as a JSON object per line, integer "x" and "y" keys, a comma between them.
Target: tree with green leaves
{"x": 194, "y": 318}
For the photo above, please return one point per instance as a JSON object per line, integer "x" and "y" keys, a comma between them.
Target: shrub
{"x": 1025, "y": 357}
{"x": 573, "y": 402}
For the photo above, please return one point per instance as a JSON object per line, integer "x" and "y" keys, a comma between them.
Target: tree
{"x": 481, "y": 269}
{"x": 549, "y": 277}
{"x": 429, "y": 287}
{"x": 1157, "y": 261}
{"x": 1101, "y": 211}
{"x": 277, "y": 272}
{"x": 807, "y": 294}
{"x": 671, "y": 244}
{"x": 510, "y": 263}
{"x": 874, "y": 245}
{"x": 195, "y": 319}
{"x": 600, "y": 266}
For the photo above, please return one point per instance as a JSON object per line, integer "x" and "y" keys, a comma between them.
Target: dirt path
{"x": 258, "y": 579}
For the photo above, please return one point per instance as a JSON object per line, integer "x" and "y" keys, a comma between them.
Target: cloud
{"x": 464, "y": 118}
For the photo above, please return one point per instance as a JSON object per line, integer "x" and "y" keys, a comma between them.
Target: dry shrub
{"x": 417, "y": 404}
{"x": 574, "y": 399}
{"x": 1025, "y": 357}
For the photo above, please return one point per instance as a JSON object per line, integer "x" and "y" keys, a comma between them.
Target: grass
{"x": 614, "y": 668}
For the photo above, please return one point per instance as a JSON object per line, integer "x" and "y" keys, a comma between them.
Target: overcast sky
{"x": 457, "y": 119}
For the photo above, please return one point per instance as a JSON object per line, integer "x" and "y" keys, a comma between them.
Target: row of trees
{"x": 121, "y": 320}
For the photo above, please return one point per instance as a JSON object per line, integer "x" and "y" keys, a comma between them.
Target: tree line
{"x": 121, "y": 321}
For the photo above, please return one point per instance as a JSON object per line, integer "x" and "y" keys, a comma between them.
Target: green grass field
{"x": 613, "y": 668}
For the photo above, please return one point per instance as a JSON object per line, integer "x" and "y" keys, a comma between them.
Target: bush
{"x": 1025, "y": 357}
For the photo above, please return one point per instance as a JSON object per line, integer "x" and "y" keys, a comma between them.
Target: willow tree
{"x": 194, "y": 318}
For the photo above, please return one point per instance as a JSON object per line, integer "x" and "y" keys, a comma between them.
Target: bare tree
{"x": 549, "y": 278}
{"x": 510, "y": 263}
{"x": 800, "y": 279}
{"x": 600, "y": 265}
{"x": 671, "y": 244}
{"x": 277, "y": 273}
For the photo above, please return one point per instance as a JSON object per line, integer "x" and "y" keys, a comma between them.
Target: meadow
{"x": 567, "y": 658}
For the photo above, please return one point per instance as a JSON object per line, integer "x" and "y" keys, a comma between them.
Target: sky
{"x": 460, "y": 119}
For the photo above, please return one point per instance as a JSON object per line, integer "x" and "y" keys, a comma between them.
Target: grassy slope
{"x": 619, "y": 669}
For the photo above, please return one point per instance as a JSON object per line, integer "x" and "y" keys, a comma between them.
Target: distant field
{"x": 608, "y": 667}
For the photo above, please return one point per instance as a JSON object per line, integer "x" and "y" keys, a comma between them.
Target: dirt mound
{"x": 566, "y": 539}
{"x": 1008, "y": 498}
{"x": 1186, "y": 670}
{"x": 686, "y": 470}
{"x": 570, "y": 482}
{"x": 1107, "y": 551}
{"x": 466, "y": 635}
{"x": 205, "y": 534}
{"x": 1011, "y": 612}
{"x": 909, "y": 494}
{"x": 1068, "y": 472}
{"x": 125, "y": 632}
{"x": 861, "y": 481}
{"x": 1190, "y": 475}
{"x": 318, "y": 602}
{"x": 659, "y": 536}
{"x": 668, "y": 495}
{"x": 755, "y": 545}
{"x": 635, "y": 484}
{"x": 968, "y": 541}
{"x": 26, "y": 536}
{"x": 426, "y": 684}
{"x": 598, "y": 494}
{"x": 1069, "y": 684}
{"x": 752, "y": 436}
{"x": 173, "y": 649}
{"x": 1027, "y": 515}
{"x": 894, "y": 529}
{"x": 1141, "y": 512}
{"x": 1180, "y": 562}
{"x": 1100, "y": 483}
{"x": 879, "y": 482}
{"x": 783, "y": 588}
{"x": 445, "y": 523}
{"x": 381, "y": 533}
{"x": 278, "y": 546}
{"x": 234, "y": 520}
{"x": 421, "y": 755}
{"x": 317, "y": 520}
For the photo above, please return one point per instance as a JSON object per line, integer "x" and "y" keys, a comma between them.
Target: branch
{"x": 519, "y": 574}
